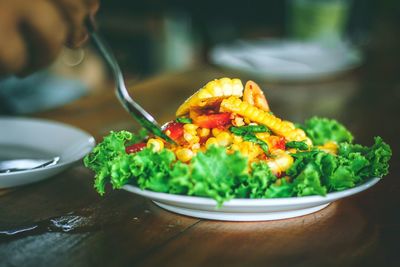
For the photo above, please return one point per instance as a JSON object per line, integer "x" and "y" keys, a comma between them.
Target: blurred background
{"x": 282, "y": 44}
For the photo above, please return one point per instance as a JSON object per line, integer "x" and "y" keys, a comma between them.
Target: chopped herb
{"x": 184, "y": 120}
{"x": 242, "y": 130}
{"x": 299, "y": 145}
{"x": 248, "y": 134}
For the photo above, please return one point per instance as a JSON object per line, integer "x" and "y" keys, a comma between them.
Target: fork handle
{"x": 141, "y": 115}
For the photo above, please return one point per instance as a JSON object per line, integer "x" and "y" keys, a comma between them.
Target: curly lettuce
{"x": 322, "y": 130}
{"x": 352, "y": 165}
{"x": 110, "y": 152}
{"x": 222, "y": 176}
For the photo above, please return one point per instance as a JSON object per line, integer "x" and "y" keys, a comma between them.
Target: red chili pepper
{"x": 175, "y": 130}
{"x": 135, "y": 148}
{"x": 279, "y": 143}
{"x": 217, "y": 120}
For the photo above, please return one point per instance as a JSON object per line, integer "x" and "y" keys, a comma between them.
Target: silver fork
{"x": 142, "y": 116}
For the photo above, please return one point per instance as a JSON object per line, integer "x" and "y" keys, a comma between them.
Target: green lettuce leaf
{"x": 368, "y": 161}
{"x": 322, "y": 130}
{"x": 257, "y": 182}
{"x": 152, "y": 170}
{"x": 215, "y": 173}
{"x": 105, "y": 155}
{"x": 223, "y": 176}
{"x": 281, "y": 188}
{"x": 308, "y": 182}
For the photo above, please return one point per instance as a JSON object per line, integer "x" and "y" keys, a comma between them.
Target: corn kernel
{"x": 211, "y": 141}
{"x": 196, "y": 146}
{"x": 284, "y": 161}
{"x": 263, "y": 136}
{"x": 247, "y": 120}
{"x": 235, "y": 147}
{"x": 203, "y": 132}
{"x": 281, "y": 162}
{"x": 155, "y": 144}
{"x": 288, "y": 125}
{"x": 237, "y": 139}
{"x": 184, "y": 154}
{"x": 238, "y": 121}
{"x": 224, "y": 139}
{"x": 191, "y": 138}
{"x": 188, "y": 136}
{"x": 216, "y": 131}
{"x": 189, "y": 127}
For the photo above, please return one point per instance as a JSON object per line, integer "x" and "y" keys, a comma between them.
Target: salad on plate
{"x": 230, "y": 145}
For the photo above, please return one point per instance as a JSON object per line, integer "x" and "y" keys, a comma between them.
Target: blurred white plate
{"x": 37, "y": 138}
{"x": 246, "y": 209}
{"x": 286, "y": 60}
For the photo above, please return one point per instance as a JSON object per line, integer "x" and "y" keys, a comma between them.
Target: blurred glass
{"x": 319, "y": 20}
{"x": 176, "y": 51}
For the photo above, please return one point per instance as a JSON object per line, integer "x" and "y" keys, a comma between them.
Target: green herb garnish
{"x": 242, "y": 130}
{"x": 184, "y": 120}
{"x": 248, "y": 134}
{"x": 298, "y": 145}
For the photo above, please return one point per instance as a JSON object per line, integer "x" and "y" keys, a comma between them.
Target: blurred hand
{"x": 32, "y": 33}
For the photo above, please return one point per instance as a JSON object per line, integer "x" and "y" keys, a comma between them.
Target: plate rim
{"x": 90, "y": 143}
{"x": 246, "y": 202}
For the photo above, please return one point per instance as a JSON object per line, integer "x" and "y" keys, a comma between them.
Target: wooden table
{"x": 128, "y": 230}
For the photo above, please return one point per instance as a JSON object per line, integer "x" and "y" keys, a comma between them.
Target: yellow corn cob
{"x": 212, "y": 91}
{"x": 279, "y": 127}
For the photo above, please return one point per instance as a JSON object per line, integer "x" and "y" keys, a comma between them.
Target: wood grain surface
{"x": 127, "y": 230}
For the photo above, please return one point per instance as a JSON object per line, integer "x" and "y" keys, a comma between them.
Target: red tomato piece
{"x": 135, "y": 148}
{"x": 175, "y": 130}
{"x": 217, "y": 120}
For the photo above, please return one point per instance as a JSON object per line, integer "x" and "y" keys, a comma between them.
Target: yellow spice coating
{"x": 279, "y": 127}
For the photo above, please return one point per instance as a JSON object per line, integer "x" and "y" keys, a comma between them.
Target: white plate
{"x": 246, "y": 209}
{"x": 286, "y": 60}
{"x": 36, "y": 138}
